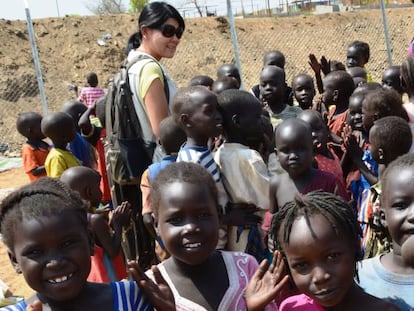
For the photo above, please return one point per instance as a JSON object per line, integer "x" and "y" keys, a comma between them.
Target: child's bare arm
{"x": 266, "y": 284}
{"x": 111, "y": 243}
{"x": 84, "y": 121}
{"x": 158, "y": 292}
{"x": 274, "y": 185}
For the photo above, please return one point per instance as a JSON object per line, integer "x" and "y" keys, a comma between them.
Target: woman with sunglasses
{"x": 160, "y": 28}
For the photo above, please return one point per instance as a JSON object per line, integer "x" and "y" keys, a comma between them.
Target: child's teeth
{"x": 61, "y": 279}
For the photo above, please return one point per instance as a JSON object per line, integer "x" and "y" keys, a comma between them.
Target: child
{"x": 195, "y": 110}
{"x": 35, "y": 150}
{"x": 303, "y": 90}
{"x": 108, "y": 263}
{"x": 272, "y": 93}
{"x": 45, "y": 228}
{"x": 171, "y": 139}
{"x": 79, "y": 146}
{"x": 60, "y": 128}
{"x": 274, "y": 58}
{"x": 318, "y": 235}
{"x": 90, "y": 94}
{"x": 390, "y": 276}
{"x": 358, "y": 74}
{"x": 325, "y": 157}
{"x": 390, "y": 137}
{"x": 357, "y": 55}
{"x": 294, "y": 149}
{"x": 204, "y": 80}
{"x": 243, "y": 171}
{"x": 229, "y": 70}
{"x": 94, "y": 132}
{"x": 338, "y": 87}
{"x": 391, "y": 79}
{"x": 407, "y": 83}
{"x": 186, "y": 211}
{"x": 224, "y": 83}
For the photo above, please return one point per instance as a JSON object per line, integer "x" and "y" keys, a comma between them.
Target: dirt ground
{"x": 12, "y": 179}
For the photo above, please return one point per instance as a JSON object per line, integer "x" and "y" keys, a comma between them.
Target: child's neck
{"x": 353, "y": 300}
{"x": 340, "y": 107}
{"x": 394, "y": 262}
{"x": 36, "y": 142}
{"x": 277, "y": 107}
{"x": 197, "y": 141}
{"x": 303, "y": 180}
{"x": 60, "y": 145}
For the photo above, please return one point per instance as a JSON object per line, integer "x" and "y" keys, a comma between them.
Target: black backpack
{"x": 127, "y": 154}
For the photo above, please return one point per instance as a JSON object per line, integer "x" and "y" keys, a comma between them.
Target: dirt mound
{"x": 70, "y": 47}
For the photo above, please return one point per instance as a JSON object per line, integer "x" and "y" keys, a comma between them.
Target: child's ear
{"x": 185, "y": 120}
{"x": 381, "y": 153}
{"x": 13, "y": 261}
{"x": 235, "y": 120}
{"x": 335, "y": 95}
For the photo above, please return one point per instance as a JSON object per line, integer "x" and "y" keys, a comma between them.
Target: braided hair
{"x": 337, "y": 212}
{"x": 46, "y": 196}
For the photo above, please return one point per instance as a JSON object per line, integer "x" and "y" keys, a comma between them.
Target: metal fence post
{"x": 387, "y": 39}
{"x": 234, "y": 41}
{"x": 36, "y": 59}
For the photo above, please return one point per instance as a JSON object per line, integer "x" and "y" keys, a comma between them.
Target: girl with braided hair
{"x": 318, "y": 236}
{"x": 45, "y": 228}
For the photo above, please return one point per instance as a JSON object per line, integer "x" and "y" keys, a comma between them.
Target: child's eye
{"x": 333, "y": 256}
{"x": 299, "y": 266}
{"x": 175, "y": 220}
{"x": 204, "y": 215}
{"x": 399, "y": 205}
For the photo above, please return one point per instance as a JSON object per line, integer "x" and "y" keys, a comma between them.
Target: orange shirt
{"x": 33, "y": 157}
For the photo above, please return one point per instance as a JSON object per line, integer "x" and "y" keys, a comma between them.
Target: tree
{"x": 136, "y": 6}
{"x": 107, "y": 7}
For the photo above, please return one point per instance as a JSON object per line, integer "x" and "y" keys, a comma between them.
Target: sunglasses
{"x": 168, "y": 31}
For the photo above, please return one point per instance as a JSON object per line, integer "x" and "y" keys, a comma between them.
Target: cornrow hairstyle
{"x": 45, "y": 196}
{"x": 182, "y": 172}
{"x": 337, "y": 212}
{"x": 407, "y": 74}
{"x": 406, "y": 160}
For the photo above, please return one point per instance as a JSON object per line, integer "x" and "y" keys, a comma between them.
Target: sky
{"x": 15, "y": 9}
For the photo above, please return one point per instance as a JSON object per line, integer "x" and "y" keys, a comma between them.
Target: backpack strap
{"x": 128, "y": 64}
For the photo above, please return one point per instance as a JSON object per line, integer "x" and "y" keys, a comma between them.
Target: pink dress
{"x": 300, "y": 303}
{"x": 240, "y": 268}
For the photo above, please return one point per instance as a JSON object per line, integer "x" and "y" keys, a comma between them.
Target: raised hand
{"x": 158, "y": 292}
{"x": 266, "y": 283}
{"x": 315, "y": 65}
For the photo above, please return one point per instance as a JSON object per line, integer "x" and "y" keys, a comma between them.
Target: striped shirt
{"x": 126, "y": 297}
{"x": 200, "y": 155}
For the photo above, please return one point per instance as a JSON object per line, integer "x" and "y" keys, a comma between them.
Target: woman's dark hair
{"x": 337, "y": 212}
{"x": 153, "y": 15}
{"x": 43, "y": 197}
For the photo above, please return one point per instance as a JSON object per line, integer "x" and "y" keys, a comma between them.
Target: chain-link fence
{"x": 68, "y": 50}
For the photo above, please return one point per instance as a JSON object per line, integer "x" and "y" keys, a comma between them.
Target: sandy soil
{"x": 8, "y": 180}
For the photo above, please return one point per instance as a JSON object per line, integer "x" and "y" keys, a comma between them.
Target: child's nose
{"x": 320, "y": 275}
{"x": 55, "y": 263}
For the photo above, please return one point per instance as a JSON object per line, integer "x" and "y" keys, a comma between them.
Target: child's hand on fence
{"x": 266, "y": 283}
